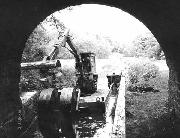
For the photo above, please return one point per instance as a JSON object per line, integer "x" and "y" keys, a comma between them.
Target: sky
{"x": 102, "y": 20}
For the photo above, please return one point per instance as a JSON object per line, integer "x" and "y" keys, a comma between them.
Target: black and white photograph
{"x": 89, "y": 69}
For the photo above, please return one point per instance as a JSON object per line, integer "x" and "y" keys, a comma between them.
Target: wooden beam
{"x": 41, "y": 65}
{"x": 110, "y": 104}
{"x": 115, "y": 112}
{"x": 119, "y": 119}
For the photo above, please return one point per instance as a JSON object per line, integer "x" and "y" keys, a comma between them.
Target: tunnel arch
{"x": 130, "y": 15}
{"x": 19, "y": 18}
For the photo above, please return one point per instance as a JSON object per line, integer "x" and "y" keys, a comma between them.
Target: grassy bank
{"x": 149, "y": 113}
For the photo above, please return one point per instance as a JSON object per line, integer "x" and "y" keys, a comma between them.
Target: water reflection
{"x": 89, "y": 123}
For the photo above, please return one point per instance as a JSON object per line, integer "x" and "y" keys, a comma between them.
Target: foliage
{"x": 142, "y": 46}
{"x": 69, "y": 77}
{"x": 55, "y": 24}
{"x": 150, "y": 118}
{"x": 140, "y": 74}
{"x": 150, "y": 110}
{"x": 146, "y": 46}
{"x": 33, "y": 52}
{"x": 29, "y": 80}
{"x": 85, "y": 42}
{"x": 93, "y": 46}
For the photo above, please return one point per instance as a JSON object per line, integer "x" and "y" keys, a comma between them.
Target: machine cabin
{"x": 88, "y": 82}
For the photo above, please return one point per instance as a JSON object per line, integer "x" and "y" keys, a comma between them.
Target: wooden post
{"x": 119, "y": 119}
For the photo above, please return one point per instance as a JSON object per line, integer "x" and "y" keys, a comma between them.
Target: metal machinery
{"x": 85, "y": 69}
{"x": 54, "y": 103}
{"x": 88, "y": 82}
{"x": 57, "y": 105}
{"x": 114, "y": 82}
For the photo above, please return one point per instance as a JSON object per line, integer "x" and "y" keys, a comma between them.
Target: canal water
{"x": 89, "y": 122}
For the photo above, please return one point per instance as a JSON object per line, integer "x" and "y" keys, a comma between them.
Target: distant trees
{"x": 142, "y": 46}
{"x": 93, "y": 43}
{"x": 37, "y": 47}
{"x": 147, "y": 46}
{"x": 34, "y": 49}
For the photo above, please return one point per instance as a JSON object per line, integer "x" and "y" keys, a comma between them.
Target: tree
{"x": 147, "y": 46}
{"x": 143, "y": 46}
{"x": 35, "y": 46}
{"x": 33, "y": 51}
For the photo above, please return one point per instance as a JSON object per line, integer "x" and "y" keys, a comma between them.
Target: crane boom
{"x": 53, "y": 54}
{"x": 74, "y": 49}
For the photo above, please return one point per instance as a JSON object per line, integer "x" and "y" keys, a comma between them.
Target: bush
{"x": 30, "y": 80}
{"x": 140, "y": 74}
{"x": 69, "y": 77}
